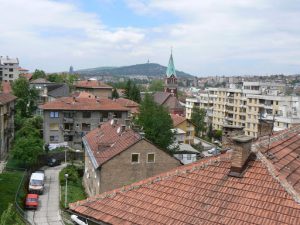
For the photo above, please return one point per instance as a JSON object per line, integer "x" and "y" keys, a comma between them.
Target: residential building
{"x": 48, "y": 91}
{"x": 68, "y": 119}
{"x": 182, "y": 124}
{"x": 242, "y": 187}
{"x": 117, "y": 155}
{"x": 169, "y": 101}
{"x": 186, "y": 153}
{"x": 9, "y": 68}
{"x": 94, "y": 87}
{"x": 131, "y": 105}
{"x": 7, "y": 109}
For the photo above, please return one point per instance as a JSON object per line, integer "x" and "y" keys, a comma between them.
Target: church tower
{"x": 171, "y": 79}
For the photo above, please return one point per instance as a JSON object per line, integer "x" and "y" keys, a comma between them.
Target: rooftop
{"x": 6, "y": 98}
{"x": 132, "y": 105}
{"x": 92, "y": 84}
{"x": 40, "y": 81}
{"x": 198, "y": 193}
{"x": 6, "y": 87}
{"x": 109, "y": 140}
{"x": 82, "y": 102}
{"x": 177, "y": 119}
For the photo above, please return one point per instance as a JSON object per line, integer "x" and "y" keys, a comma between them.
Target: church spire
{"x": 171, "y": 68}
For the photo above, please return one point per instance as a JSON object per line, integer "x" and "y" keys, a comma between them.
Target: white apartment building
{"x": 9, "y": 68}
{"x": 243, "y": 107}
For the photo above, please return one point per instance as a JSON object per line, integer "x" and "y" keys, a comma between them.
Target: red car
{"x": 32, "y": 201}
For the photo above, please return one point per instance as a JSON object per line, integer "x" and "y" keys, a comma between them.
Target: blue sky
{"x": 216, "y": 37}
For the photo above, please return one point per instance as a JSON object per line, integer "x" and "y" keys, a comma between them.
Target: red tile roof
{"x": 199, "y": 193}
{"x": 284, "y": 153}
{"x": 81, "y": 103}
{"x": 6, "y": 87}
{"x": 28, "y": 76}
{"x": 177, "y": 119}
{"x": 132, "y": 105}
{"x": 92, "y": 84}
{"x": 6, "y": 98}
{"x": 105, "y": 142}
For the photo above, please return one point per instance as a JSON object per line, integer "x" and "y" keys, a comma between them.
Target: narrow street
{"x": 48, "y": 210}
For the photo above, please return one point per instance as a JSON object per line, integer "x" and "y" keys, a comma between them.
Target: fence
{"x": 19, "y": 198}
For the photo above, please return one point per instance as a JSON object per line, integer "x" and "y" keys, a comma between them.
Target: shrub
{"x": 73, "y": 175}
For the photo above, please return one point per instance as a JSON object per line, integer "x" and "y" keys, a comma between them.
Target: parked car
{"x": 53, "y": 162}
{"x": 32, "y": 201}
{"x": 214, "y": 151}
{"x": 36, "y": 182}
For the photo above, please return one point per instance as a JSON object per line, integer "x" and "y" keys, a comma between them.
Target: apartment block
{"x": 68, "y": 119}
{"x": 9, "y": 68}
{"x": 7, "y": 109}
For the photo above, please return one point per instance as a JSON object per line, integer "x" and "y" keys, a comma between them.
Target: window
{"x": 11, "y": 70}
{"x": 68, "y": 126}
{"x": 86, "y": 114}
{"x": 68, "y": 138}
{"x": 54, "y": 126}
{"x": 188, "y": 157}
{"x": 86, "y": 127}
{"x": 54, "y": 138}
{"x": 53, "y": 114}
{"x": 150, "y": 158}
{"x": 180, "y": 156}
{"x": 11, "y": 76}
{"x": 135, "y": 158}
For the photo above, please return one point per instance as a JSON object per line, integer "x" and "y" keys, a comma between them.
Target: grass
{"x": 75, "y": 193}
{"x": 9, "y": 182}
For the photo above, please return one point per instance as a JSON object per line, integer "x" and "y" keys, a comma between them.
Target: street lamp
{"x": 65, "y": 155}
{"x": 66, "y": 189}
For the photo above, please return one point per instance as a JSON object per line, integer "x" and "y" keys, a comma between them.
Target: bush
{"x": 73, "y": 175}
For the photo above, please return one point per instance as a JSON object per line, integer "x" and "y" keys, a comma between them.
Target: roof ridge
{"x": 160, "y": 177}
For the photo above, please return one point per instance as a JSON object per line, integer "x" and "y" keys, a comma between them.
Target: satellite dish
{"x": 119, "y": 130}
{"x": 112, "y": 122}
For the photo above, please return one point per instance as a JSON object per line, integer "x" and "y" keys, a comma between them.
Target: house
{"x": 68, "y": 119}
{"x": 185, "y": 125}
{"x": 94, "y": 87}
{"x": 169, "y": 101}
{"x": 186, "y": 153}
{"x": 131, "y": 105}
{"x": 7, "y": 108}
{"x": 242, "y": 187}
{"x": 48, "y": 91}
{"x": 117, "y": 155}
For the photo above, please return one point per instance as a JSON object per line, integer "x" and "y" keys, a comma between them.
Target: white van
{"x": 36, "y": 183}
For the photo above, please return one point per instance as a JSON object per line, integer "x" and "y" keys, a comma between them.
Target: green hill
{"x": 147, "y": 69}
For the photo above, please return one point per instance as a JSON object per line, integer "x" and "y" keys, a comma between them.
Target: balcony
{"x": 68, "y": 120}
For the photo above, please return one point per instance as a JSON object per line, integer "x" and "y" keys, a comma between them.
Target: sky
{"x": 213, "y": 37}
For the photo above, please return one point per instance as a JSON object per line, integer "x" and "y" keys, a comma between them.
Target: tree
{"x": 198, "y": 119}
{"x": 27, "y": 97}
{"x": 128, "y": 87}
{"x": 9, "y": 217}
{"x": 132, "y": 92}
{"x": 218, "y": 134}
{"x": 156, "y": 85}
{"x": 156, "y": 123}
{"x": 56, "y": 78}
{"x": 38, "y": 74}
{"x": 115, "y": 93}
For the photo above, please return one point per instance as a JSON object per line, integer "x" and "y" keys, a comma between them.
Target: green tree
{"x": 115, "y": 93}
{"x": 132, "y": 92}
{"x": 9, "y": 217}
{"x": 127, "y": 91}
{"x": 27, "y": 97}
{"x": 56, "y": 78}
{"x": 198, "y": 119}
{"x": 38, "y": 74}
{"x": 218, "y": 134}
{"x": 156, "y": 85}
{"x": 156, "y": 123}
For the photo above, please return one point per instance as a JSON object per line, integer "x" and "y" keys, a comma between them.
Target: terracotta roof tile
{"x": 6, "y": 87}
{"x": 199, "y": 193}
{"x": 284, "y": 154}
{"x": 105, "y": 142}
{"x": 81, "y": 102}
{"x": 28, "y": 76}
{"x": 177, "y": 119}
{"x": 6, "y": 97}
{"x": 132, "y": 105}
{"x": 92, "y": 84}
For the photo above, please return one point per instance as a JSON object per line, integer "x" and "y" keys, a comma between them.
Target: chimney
{"x": 265, "y": 127}
{"x": 228, "y": 132}
{"x": 241, "y": 155}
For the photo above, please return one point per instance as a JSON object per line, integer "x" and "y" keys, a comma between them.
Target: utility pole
{"x": 66, "y": 190}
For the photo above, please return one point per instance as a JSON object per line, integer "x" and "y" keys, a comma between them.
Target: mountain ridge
{"x": 146, "y": 69}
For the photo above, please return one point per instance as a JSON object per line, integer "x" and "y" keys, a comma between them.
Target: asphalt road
{"x": 48, "y": 210}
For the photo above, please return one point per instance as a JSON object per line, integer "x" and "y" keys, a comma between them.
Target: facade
{"x": 7, "y": 108}
{"x": 243, "y": 107}
{"x": 68, "y": 119}
{"x": 181, "y": 123}
{"x": 131, "y": 105}
{"x": 242, "y": 187}
{"x": 9, "y": 69}
{"x": 116, "y": 156}
{"x": 48, "y": 91}
{"x": 186, "y": 153}
{"x": 94, "y": 87}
